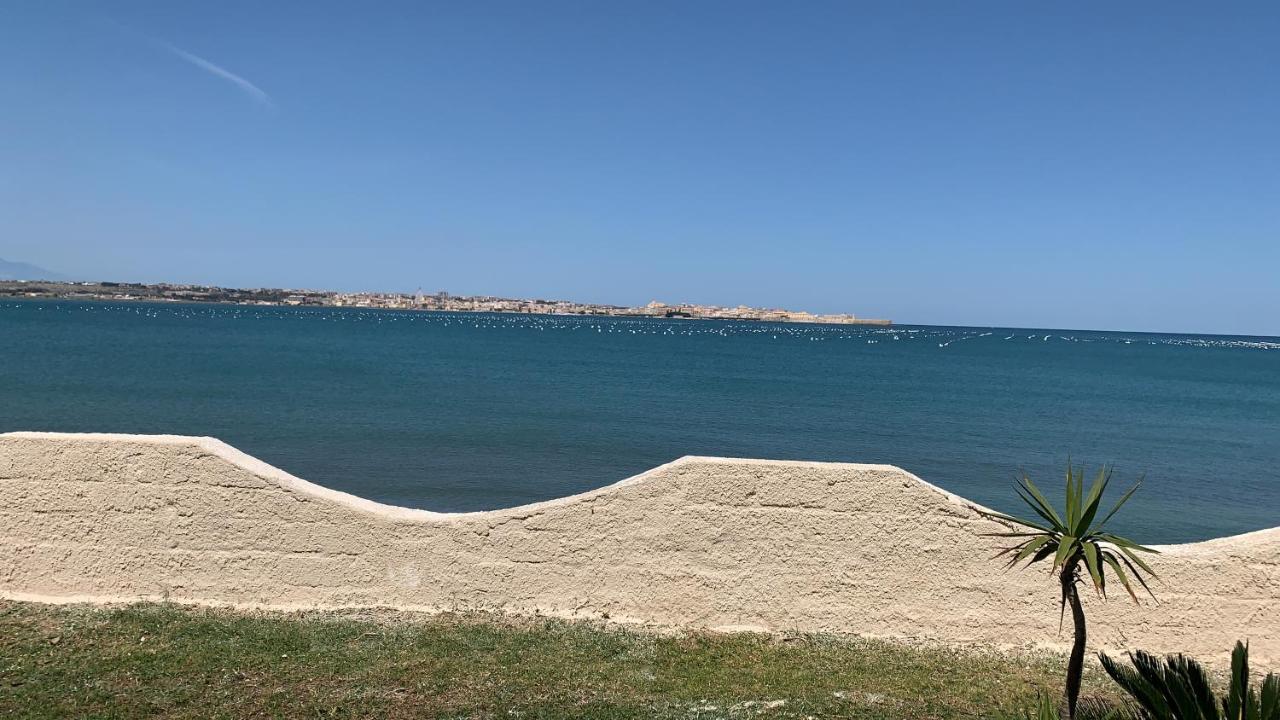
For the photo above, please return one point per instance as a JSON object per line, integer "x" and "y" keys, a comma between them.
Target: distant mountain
{"x": 25, "y": 271}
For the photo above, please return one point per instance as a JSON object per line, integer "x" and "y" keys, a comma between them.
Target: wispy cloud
{"x": 249, "y": 88}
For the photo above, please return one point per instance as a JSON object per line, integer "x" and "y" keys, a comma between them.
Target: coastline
{"x": 440, "y": 302}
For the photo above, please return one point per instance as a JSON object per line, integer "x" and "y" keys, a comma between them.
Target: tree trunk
{"x": 1075, "y": 666}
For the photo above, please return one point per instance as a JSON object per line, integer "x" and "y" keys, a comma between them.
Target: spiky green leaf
{"x": 1120, "y": 503}
{"x": 1137, "y": 560}
{"x": 1066, "y": 546}
{"x": 1237, "y": 702}
{"x": 1269, "y": 705}
{"x": 1043, "y": 503}
{"x": 1001, "y": 517}
{"x": 1047, "y": 513}
{"x": 1137, "y": 575}
{"x": 1092, "y": 502}
{"x": 1094, "y": 567}
{"x": 1047, "y": 551}
{"x": 1073, "y": 499}
{"x": 1110, "y": 560}
{"x": 1125, "y": 542}
{"x": 1028, "y": 548}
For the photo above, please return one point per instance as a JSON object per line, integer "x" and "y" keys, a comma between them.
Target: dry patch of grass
{"x": 181, "y": 662}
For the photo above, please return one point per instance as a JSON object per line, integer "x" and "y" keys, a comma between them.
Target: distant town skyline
{"x": 404, "y": 294}
{"x": 1093, "y": 166}
{"x": 440, "y": 300}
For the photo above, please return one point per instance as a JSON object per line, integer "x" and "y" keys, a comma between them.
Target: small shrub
{"x": 1086, "y": 709}
{"x": 1178, "y": 688}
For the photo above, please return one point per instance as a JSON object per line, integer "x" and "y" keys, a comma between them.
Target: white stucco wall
{"x": 700, "y": 542}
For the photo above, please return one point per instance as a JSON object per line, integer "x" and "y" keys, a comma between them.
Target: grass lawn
{"x": 172, "y": 661}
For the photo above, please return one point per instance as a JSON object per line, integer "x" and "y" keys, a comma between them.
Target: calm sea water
{"x": 466, "y": 412}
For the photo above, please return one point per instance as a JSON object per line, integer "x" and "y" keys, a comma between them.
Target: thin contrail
{"x": 253, "y": 91}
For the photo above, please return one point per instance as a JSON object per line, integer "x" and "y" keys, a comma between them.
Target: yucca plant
{"x": 1178, "y": 688}
{"x": 1073, "y": 540}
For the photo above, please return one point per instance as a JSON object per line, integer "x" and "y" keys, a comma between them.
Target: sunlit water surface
{"x": 476, "y": 411}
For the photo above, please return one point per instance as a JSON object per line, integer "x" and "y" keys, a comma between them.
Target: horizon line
{"x": 895, "y": 324}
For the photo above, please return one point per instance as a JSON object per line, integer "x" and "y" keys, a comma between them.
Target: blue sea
{"x": 458, "y": 412}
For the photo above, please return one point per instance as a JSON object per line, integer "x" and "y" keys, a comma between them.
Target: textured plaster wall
{"x": 700, "y": 542}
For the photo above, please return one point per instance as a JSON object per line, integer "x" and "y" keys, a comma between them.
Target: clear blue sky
{"x": 1083, "y": 165}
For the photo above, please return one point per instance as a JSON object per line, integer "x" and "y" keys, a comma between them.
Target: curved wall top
{"x": 699, "y": 542}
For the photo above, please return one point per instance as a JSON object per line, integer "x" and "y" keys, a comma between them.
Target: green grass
{"x": 180, "y": 662}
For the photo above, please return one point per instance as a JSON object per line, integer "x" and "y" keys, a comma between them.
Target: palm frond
{"x": 1269, "y": 704}
{"x": 1178, "y": 688}
{"x": 1095, "y": 708}
{"x": 1236, "y": 703}
{"x": 1194, "y": 682}
{"x": 1139, "y": 686}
